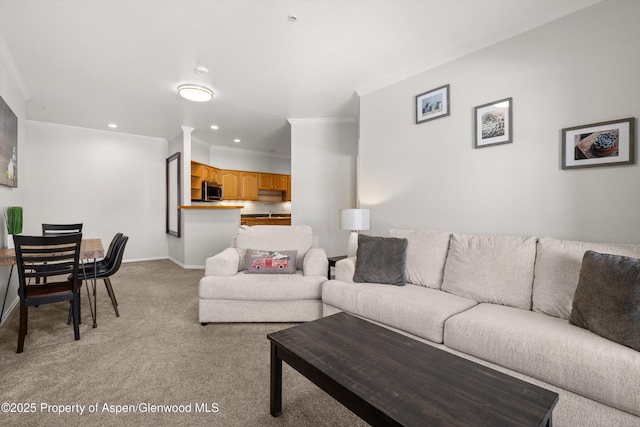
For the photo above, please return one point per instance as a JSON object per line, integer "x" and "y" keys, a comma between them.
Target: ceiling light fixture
{"x": 215, "y": 127}
{"x": 195, "y": 93}
{"x": 292, "y": 18}
{"x": 112, "y": 125}
{"x": 237, "y": 141}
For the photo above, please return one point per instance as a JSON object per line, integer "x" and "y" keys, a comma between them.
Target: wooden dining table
{"x": 90, "y": 251}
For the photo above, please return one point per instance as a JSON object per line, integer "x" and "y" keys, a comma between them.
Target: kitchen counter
{"x": 210, "y": 207}
{"x": 262, "y": 215}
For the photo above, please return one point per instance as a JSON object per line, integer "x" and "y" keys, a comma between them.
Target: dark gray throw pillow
{"x": 607, "y": 299}
{"x": 381, "y": 260}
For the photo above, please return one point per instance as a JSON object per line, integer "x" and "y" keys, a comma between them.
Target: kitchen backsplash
{"x": 258, "y": 207}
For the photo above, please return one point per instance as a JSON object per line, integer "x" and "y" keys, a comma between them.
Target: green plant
{"x": 13, "y": 217}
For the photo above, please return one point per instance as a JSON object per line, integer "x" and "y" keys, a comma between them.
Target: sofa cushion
{"x": 415, "y": 309}
{"x": 265, "y": 287}
{"x": 270, "y": 262}
{"x": 550, "y": 349}
{"x": 557, "y": 271}
{"x": 495, "y": 269}
{"x": 380, "y": 260}
{"x": 607, "y": 299}
{"x": 426, "y": 255}
{"x": 276, "y": 237}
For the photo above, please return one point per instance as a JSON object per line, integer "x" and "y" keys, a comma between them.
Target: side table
{"x": 332, "y": 263}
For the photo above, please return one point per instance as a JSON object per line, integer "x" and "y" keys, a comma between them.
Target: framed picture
{"x": 8, "y": 146}
{"x": 599, "y": 144}
{"x": 493, "y": 123}
{"x": 432, "y": 104}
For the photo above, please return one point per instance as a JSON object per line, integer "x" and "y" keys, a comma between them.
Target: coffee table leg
{"x": 276, "y": 382}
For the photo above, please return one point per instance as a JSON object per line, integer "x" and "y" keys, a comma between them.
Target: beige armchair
{"x": 228, "y": 293}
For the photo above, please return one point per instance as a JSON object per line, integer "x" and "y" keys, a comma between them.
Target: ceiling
{"x": 91, "y": 63}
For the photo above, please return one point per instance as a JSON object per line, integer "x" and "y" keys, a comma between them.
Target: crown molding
{"x": 245, "y": 150}
{"x": 94, "y": 130}
{"x": 10, "y": 65}
{"x": 321, "y": 120}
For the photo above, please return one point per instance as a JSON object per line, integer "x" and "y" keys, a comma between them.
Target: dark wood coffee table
{"x": 389, "y": 379}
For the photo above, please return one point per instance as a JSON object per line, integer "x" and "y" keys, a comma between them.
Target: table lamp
{"x": 354, "y": 220}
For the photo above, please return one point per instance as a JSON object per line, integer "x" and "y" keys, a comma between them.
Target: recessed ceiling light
{"x": 292, "y": 18}
{"x": 195, "y": 93}
{"x": 214, "y": 127}
{"x": 112, "y": 125}
{"x": 236, "y": 140}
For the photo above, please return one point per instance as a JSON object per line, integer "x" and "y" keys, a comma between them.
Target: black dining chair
{"x": 59, "y": 229}
{"x": 107, "y": 267}
{"x": 56, "y": 259}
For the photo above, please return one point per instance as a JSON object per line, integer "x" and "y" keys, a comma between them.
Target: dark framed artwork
{"x": 493, "y": 123}
{"x": 8, "y": 146}
{"x": 599, "y": 144}
{"x": 173, "y": 195}
{"x": 432, "y": 104}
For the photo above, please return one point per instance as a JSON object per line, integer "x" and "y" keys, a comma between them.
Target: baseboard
{"x": 185, "y": 266}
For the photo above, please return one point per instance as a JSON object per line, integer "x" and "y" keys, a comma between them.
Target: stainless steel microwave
{"x": 211, "y": 192}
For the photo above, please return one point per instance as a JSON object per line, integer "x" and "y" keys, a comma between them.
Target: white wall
{"x": 10, "y": 91}
{"x": 236, "y": 159}
{"x": 323, "y": 169}
{"x": 578, "y": 70}
{"x": 109, "y": 181}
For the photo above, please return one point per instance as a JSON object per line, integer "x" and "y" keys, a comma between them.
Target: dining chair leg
{"x": 76, "y": 318}
{"x": 22, "y": 330}
{"x": 70, "y": 317}
{"x": 112, "y": 295}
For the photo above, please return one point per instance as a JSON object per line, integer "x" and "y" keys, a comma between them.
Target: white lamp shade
{"x": 354, "y": 219}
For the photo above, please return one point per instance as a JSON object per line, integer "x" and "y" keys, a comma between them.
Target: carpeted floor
{"x": 155, "y": 354}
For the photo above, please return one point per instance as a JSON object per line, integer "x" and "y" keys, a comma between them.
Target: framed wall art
{"x": 599, "y": 144}
{"x": 432, "y": 104}
{"x": 493, "y": 123}
{"x": 8, "y": 146}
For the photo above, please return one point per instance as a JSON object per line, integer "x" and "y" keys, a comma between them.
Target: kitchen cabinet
{"x": 197, "y": 172}
{"x": 287, "y": 195}
{"x": 201, "y": 173}
{"x": 273, "y": 182}
{"x": 249, "y": 185}
{"x": 239, "y": 185}
{"x": 266, "y": 221}
{"x": 231, "y": 183}
{"x": 210, "y": 174}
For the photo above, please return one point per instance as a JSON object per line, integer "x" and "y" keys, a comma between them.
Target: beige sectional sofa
{"x": 504, "y": 302}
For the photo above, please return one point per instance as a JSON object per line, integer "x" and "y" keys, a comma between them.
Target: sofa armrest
{"x": 315, "y": 263}
{"x": 345, "y": 269}
{"x": 224, "y": 263}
